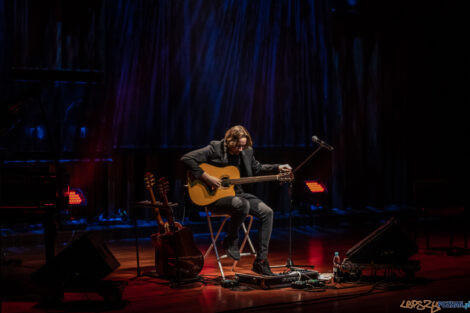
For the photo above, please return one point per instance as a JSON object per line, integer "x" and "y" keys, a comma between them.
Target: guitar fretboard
{"x": 255, "y": 179}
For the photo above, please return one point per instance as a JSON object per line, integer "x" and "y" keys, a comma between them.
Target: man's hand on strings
{"x": 211, "y": 181}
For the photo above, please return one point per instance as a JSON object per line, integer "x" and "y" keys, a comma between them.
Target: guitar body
{"x": 176, "y": 254}
{"x": 202, "y": 195}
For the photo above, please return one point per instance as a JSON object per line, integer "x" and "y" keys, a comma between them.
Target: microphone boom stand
{"x": 289, "y": 264}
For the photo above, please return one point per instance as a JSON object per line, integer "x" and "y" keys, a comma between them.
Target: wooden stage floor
{"x": 441, "y": 278}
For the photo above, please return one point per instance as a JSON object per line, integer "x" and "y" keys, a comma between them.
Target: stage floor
{"x": 441, "y": 278}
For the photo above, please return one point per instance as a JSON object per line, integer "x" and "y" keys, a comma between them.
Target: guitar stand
{"x": 173, "y": 282}
{"x": 136, "y": 237}
{"x": 142, "y": 204}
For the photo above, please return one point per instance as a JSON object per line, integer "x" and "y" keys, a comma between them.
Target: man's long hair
{"x": 235, "y": 133}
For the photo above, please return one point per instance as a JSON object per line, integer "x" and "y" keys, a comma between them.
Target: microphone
{"x": 322, "y": 143}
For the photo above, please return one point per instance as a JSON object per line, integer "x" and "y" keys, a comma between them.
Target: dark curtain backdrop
{"x": 382, "y": 82}
{"x": 185, "y": 71}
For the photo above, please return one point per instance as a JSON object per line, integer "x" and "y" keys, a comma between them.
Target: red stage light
{"x": 314, "y": 186}
{"x": 76, "y": 197}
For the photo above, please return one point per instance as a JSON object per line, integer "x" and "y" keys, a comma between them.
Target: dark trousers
{"x": 239, "y": 207}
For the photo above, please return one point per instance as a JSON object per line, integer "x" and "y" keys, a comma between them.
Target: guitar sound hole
{"x": 225, "y": 182}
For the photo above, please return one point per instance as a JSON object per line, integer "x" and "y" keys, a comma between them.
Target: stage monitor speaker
{"x": 83, "y": 262}
{"x": 388, "y": 244}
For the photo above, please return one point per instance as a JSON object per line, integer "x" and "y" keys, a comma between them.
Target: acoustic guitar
{"x": 176, "y": 253}
{"x": 202, "y": 195}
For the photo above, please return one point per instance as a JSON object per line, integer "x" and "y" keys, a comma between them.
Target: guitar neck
{"x": 171, "y": 220}
{"x": 157, "y": 211}
{"x": 254, "y": 179}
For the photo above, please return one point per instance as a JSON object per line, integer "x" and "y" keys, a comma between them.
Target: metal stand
{"x": 136, "y": 237}
{"x": 289, "y": 263}
{"x": 142, "y": 204}
{"x": 139, "y": 272}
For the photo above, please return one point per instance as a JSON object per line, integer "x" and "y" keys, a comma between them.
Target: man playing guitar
{"x": 236, "y": 150}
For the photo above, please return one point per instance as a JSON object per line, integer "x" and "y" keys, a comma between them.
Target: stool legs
{"x": 214, "y": 240}
{"x": 246, "y": 238}
{"x": 246, "y": 231}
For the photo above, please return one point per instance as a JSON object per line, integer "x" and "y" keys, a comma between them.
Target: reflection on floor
{"x": 442, "y": 277}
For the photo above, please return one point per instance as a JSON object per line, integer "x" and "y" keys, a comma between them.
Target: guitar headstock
{"x": 163, "y": 187}
{"x": 286, "y": 176}
{"x": 149, "y": 180}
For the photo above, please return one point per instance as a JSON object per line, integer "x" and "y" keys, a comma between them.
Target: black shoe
{"x": 231, "y": 248}
{"x": 262, "y": 267}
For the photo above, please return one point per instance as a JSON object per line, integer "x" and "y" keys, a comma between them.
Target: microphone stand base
{"x": 290, "y": 265}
